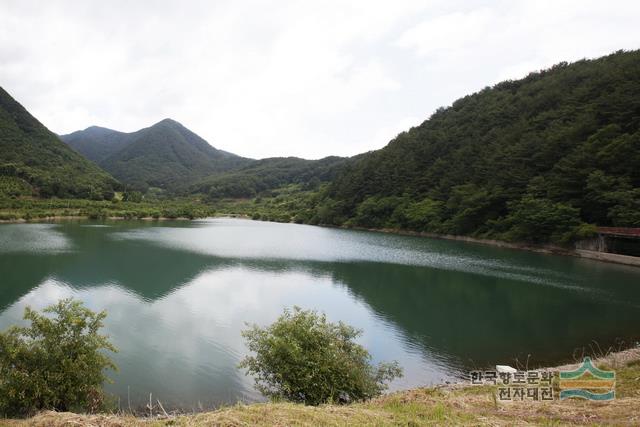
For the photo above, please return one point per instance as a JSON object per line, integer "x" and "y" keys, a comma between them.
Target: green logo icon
{"x": 588, "y": 382}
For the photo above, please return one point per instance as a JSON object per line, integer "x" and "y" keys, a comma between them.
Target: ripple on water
{"x": 244, "y": 239}
{"x": 32, "y": 238}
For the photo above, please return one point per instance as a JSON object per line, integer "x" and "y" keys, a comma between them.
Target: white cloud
{"x": 447, "y": 32}
{"x": 264, "y": 78}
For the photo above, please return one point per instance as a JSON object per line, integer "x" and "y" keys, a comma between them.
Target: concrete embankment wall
{"x": 605, "y": 256}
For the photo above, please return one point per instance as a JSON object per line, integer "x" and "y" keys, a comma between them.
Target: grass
{"x": 34, "y": 209}
{"x": 449, "y": 405}
{"x": 628, "y": 380}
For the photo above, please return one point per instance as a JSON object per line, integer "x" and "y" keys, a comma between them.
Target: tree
{"x": 626, "y": 213}
{"x": 539, "y": 220}
{"x": 304, "y": 358}
{"x": 376, "y": 212}
{"x": 56, "y": 363}
{"x": 424, "y": 215}
{"x": 132, "y": 196}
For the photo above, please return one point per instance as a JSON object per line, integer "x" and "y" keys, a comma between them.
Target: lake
{"x": 179, "y": 293}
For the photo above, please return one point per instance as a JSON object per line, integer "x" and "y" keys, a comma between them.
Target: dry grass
{"x": 450, "y": 405}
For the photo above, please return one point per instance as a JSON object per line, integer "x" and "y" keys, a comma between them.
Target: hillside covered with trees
{"x": 539, "y": 159}
{"x": 97, "y": 143}
{"x": 261, "y": 176}
{"x": 34, "y": 162}
{"x": 166, "y": 155}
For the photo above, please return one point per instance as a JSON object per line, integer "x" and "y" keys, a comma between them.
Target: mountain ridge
{"x": 166, "y": 154}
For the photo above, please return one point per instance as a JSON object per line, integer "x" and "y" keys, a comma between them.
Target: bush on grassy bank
{"x": 56, "y": 363}
{"x": 304, "y": 358}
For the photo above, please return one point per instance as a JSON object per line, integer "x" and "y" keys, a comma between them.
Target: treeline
{"x": 129, "y": 208}
{"x": 263, "y": 176}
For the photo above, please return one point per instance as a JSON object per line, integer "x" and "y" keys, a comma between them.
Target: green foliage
{"x": 376, "y": 212}
{"x": 290, "y": 203}
{"x": 424, "y": 215}
{"x": 56, "y": 363}
{"x": 11, "y": 186}
{"x": 31, "y": 154}
{"x": 267, "y": 174}
{"x": 158, "y": 208}
{"x": 626, "y": 211}
{"x": 132, "y": 196}
{"x": 541, "y": 220}
{"x": 304, "y": 358}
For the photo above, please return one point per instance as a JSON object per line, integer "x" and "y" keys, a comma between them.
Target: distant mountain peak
{"x": 168, "y": 121}
{"x": 97, "y": 129}
{"x": 165, "y": 154}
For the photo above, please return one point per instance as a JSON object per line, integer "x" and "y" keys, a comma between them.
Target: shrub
{"x": 56, "y": 363}
{"x": 304, "y": 358}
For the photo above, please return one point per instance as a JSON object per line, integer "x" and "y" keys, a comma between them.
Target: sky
{"x": 286, "y": 77}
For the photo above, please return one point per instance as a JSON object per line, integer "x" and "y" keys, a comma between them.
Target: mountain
{"x": 533, "y": 159}
{"x": 96, "y": 143}
{"x": 165, "y": 155}
{"x": 33, "y": 160}
{"x": 268, "y": 174}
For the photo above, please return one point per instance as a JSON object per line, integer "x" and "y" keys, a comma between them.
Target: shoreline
{"x": 548, "y": 249}
{"x": 56, "y": 218}
{"x": 61, "y": 218}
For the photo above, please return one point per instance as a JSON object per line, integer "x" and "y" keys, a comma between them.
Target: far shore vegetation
{"x": 39, "y": 209}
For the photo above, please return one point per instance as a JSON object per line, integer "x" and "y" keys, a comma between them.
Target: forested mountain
{"x": 97, "y": 143}
{"x": 33, "y": 160}
{"x": 271, "y": 173}
{"x": 165, "y": 155}
{"x": 533, "y": 159}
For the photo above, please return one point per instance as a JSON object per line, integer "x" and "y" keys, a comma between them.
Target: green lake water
{"x": 179, "y": 293}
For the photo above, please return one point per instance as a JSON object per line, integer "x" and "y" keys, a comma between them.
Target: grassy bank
{"x": 36, "y": 209}
{"x": 449, "y": 405}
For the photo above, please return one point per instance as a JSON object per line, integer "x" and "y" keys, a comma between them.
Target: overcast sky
{"x": 275, "y": 78}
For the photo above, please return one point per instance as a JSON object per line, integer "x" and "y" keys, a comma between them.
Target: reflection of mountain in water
{"x": 485, "y": 320}
{"x": 95, "y": 259}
